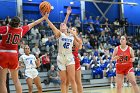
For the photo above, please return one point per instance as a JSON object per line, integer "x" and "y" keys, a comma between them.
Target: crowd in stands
{"x": 99, "y": 41}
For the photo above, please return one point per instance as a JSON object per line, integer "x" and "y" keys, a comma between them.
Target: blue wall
{"x": 132, "y": 12}
{"x": 91, "y": 10}
{"x": 31, "y": 9}
{"x": 7, "y": 8}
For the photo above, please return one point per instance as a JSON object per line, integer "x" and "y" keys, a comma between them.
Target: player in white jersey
{"x": 65, "y": 59}
{"x": 30, "y": 63}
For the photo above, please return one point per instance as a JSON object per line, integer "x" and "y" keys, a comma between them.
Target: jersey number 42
{"x": 66, "y": 45}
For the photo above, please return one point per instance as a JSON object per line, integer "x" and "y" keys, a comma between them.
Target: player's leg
{"x": 30, "y": 84}
{"x": 67, "y": 85}
{"x": 78, "y": 81}
{"x": 132, "y": 80}
{"x": 3, "y": 73}
{"x": 14, "y": 75}
{"x": 38, "y": 84}
{"x": 63, "y": 78}
{"x": 71, "y": 76}
{"x": 119, "y": 81}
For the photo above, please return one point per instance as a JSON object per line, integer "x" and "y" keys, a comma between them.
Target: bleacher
{"x": 86, "y": 80}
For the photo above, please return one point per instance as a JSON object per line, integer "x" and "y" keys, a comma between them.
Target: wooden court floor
{"x": 100, "y": 90}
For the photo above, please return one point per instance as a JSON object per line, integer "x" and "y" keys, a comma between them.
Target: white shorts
{"x": 31, "y": 73}
{"x": 63, "y": 60}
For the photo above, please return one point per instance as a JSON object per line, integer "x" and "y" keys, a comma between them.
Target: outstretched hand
{"x": 69, "y": 10}
{"x": 72, "y": 32}
{"x": 45, "y": 16}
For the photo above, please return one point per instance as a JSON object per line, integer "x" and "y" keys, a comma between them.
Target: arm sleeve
{"x": 3, "y": 30}
{"x": 25, "y": 29}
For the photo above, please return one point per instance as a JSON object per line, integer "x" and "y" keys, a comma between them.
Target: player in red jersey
{"x": 75, "y": 32}
{"x": 11, "y": 36}
{"x": 124, "y": 55}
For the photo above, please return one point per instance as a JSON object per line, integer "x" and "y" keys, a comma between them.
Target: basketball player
{"x": 30, "y": 64}
{"x": 75, "y": 31}
{"x": 65, "y": 59}
{"x": 124, "y": 55}
{"x": 11, "y": 36}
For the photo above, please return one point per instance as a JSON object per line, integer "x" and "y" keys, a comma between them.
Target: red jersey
{"x": 11, "y": 37}
{"x": 75, "y": 51}
{"x": 124, "y": 65}
{"x": 76, "y": 58}
{"x": 124, "y": 55}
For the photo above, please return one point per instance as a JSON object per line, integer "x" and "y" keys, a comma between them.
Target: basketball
{"x": 45, "y": 7}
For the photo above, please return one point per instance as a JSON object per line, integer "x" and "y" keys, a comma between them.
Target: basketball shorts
{"x": 124, "y": 68}
{"x": 31, "y": 73}
{"x": 8, "y": 60}
{"x": 64, "y": 60}
{"x": 77, "y": 63}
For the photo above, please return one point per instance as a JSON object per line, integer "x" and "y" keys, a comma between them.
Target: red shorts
{"x": 77, "y": 63}
{"x": 124, "y": 68}
{"x": 8, "y": 60}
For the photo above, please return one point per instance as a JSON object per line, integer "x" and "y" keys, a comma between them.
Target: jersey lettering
{"x": 12, "y": 39}
{"x": 123, "y": 58}
{"x": 66, "y": 45}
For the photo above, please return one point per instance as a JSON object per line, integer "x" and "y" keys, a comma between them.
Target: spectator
{"x": 45, "y": 59}
{"x": 137, "y": 72}
{"x": 85, "y": 21}
{"x": 90, "y": 20}
{"x": 77, "y": 23}
{"x": 21, "y": 49}
{"x": 53, "y": 76}
{"x": 111, "y": 75}
{"x": 49, "y": 44}
{"x": 97, "y": 22}
{"x": 36, "y": 50}
{"x": 44, "y": 39}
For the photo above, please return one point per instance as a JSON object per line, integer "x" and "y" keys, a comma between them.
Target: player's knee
{"x": 30, "y": 88}
{"x": 133, "y": 82}
{"x": 72, "y": 79}
{"x": 63, "y": 82}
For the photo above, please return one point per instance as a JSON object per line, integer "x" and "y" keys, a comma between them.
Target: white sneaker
{"x": 125, "y": 84}
{"x": 111, "y": 85}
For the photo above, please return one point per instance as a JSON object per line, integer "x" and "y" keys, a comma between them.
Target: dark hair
{"x": 76, "y": 30}
{"x": 14, "y": 22}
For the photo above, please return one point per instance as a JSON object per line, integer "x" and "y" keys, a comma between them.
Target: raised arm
{"x": 114, "y": 56}
{"x": 56, "y": 32}
{"x": 77, "y": 40}
{"x": 36, "y": 22}
{"x": 67, "y": 15}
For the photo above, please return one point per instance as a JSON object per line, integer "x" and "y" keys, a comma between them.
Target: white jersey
{"x": 29, "y": 61}
{"x": 65, "y": 44}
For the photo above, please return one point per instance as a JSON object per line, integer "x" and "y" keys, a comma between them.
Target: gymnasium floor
{"x": 101, "y": 90}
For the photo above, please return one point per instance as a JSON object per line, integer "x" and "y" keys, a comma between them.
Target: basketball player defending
{"x": 65, "y": 59}
{"x": 124, "y": 55}
{"x": 11, "y": 36}
{"x": 30, "y": 64}
{"x": 75, "y": 49}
